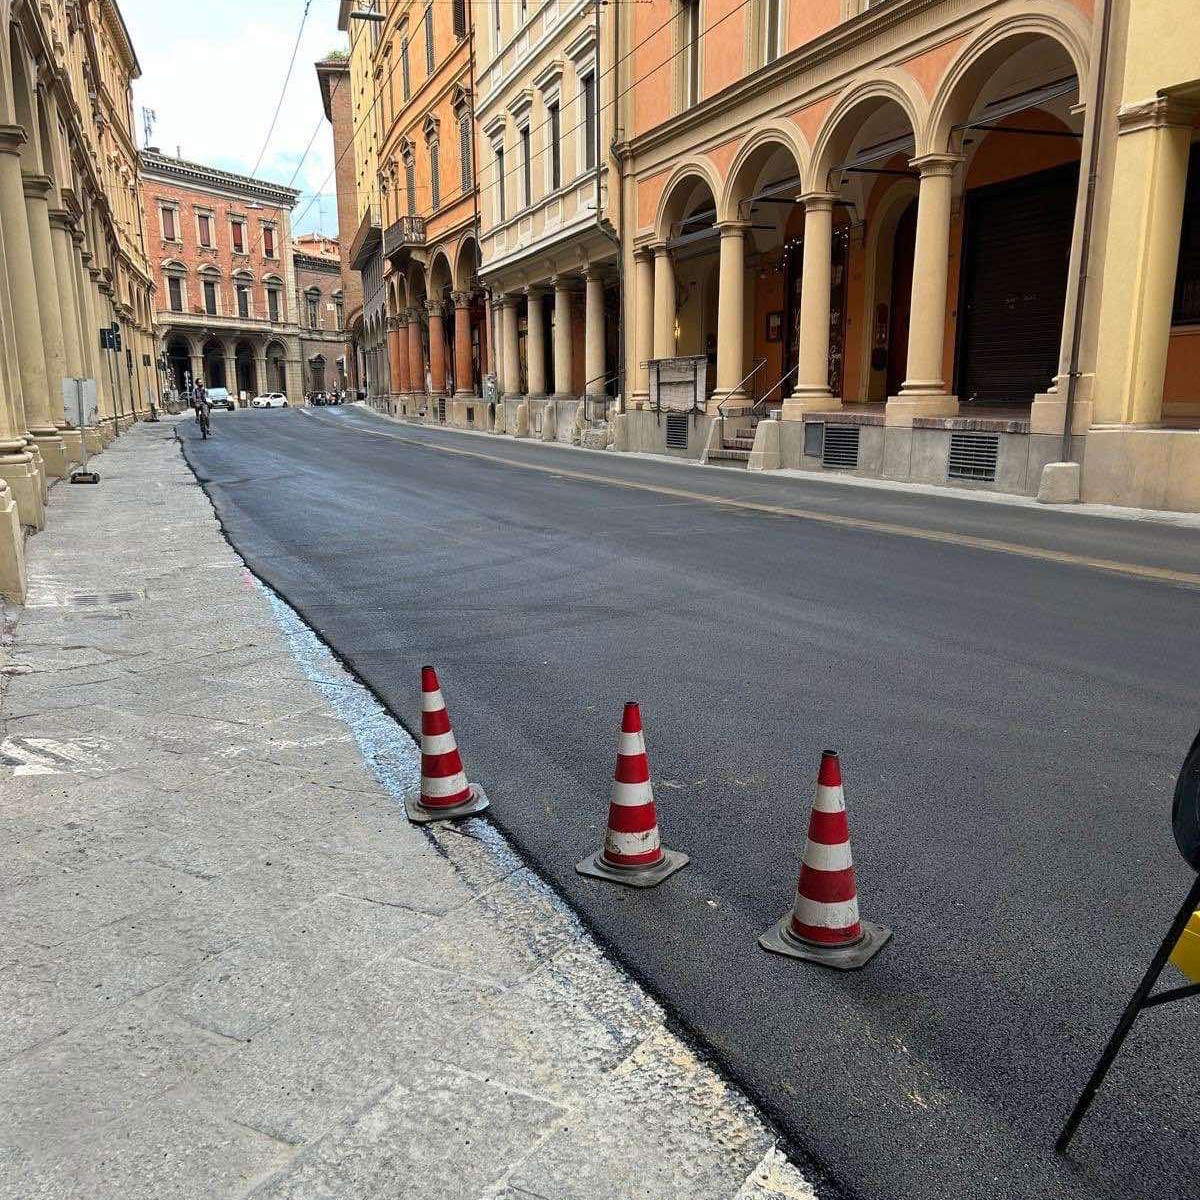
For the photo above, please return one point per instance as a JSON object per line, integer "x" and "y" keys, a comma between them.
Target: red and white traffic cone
{"x": 445, "y": 792}
{"x": 633, "y": 853}
{"x": 824, "y": 925}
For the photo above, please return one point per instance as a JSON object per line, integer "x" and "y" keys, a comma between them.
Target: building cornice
{"x": 178, "y": 170}
{"x": 316, "y": 262}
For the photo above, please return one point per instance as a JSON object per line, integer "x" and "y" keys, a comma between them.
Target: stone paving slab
{"x": 229, "y": 967}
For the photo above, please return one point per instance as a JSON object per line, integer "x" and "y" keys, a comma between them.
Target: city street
{"x": 1011, "y": 689}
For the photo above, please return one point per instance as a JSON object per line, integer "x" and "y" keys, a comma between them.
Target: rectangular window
{"x": 464, "y": 150}
{"x": 460, "y": 18}
{"x": 405, "y": 77}
{"x": 268, "y": 241}
{"x": 526, "y": 169}
{"x": 554, "y": 123}
{"x": 410, "y": 185}
{"x": 273, "y": 303}
{"x": 312, "y": 313}
{"x": 435, "y": 175}
{"x": 168, "y": 224}
{"x": 340, "y": 307}
{"x": 690, "y": 37}
{"x": 429, "y": 40}
{"x": 210, "y": 297}
{"x": 501, "y": 183}
{"x": 243, "y": 300}
{"x": 771, "y": 18}
{"x": 496, "y": 19}
{"x": 587, "y": 84}
{"x": 205, "y": 222}
{"x": 238, "y": 235}
{"x": 175, "y": 291}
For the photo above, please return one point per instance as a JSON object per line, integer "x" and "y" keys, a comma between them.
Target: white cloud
{"x": 213, "y": 73}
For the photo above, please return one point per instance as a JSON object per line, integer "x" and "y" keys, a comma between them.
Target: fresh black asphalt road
{"x": 1010, "y": 726}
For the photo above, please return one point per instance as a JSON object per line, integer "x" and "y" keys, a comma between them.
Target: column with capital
{"x": 104, "y": 397}
{"x": 664, "y": 303}
{"x": 437, "y": 349}
{"x": 22, "y": 286}
{"x": 535, "y": 343}
{"x": 22, "y": 501}
{"x": 230, "y": 348}
{"x": 731, "y": 317}
{"x": 510, "y": 351}
{"x": 416, "y": 353}
{"x": 261, "y": 382}
{"x": 811, "y": 391}
{"x": 564, "y": 387}
{"x": 593, "y": 334}
{"x": 64, "y": 271}
{"x": 51, "y": 418}
{"x": 643, "y": 309}
{"x": 400, "y": 335}
{"x": 924, "y": 392}
{"x": 464, "y": 376}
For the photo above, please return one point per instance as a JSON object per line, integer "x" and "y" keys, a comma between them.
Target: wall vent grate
{"x": 840, "y": 450}
{"x": 973, "y": 456}
{"x": 677, "y": 431}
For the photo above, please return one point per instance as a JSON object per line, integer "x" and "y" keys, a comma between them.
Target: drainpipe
{"x": 1089, "y": 205}
{"x": 601, "y": 225}
{"x": 487, "y": 330}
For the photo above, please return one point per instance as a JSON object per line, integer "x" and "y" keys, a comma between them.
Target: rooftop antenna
{"x": 149, "y": 116}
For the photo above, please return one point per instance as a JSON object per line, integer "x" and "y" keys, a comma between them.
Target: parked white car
{"x": 270, "y": 400}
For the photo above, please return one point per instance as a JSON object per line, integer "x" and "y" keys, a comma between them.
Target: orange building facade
{"x": 436, "y": 327}
{"x": 863, "y": 221}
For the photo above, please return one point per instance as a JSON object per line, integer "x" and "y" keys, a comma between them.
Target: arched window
{"x": 175, "y": 274}
{"x": 243, "y": 292}
{"x": 210, "y": 290}
{"x": 276, "y": 310}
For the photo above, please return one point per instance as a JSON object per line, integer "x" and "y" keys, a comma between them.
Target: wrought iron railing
{"x": 406, "y": 232}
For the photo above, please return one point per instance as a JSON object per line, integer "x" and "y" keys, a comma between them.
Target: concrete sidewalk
{"x": 230, "y": 967}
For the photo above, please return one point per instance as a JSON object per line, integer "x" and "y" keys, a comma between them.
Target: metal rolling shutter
{"x": 1018, "y": 246}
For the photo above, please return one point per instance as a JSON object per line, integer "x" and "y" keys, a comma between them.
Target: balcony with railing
{"x": 404, "y": 234}
{"x": 366, "y": 239}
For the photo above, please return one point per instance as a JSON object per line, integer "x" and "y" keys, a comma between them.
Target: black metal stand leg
{"x": 1129, "y": 1016}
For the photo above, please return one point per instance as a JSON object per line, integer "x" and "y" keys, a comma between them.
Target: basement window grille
{"x": 677, "y": 431}
{"x": 441, "y": 410}
{"x": 470, "y": 415}
{"x": 973, "y": 456}
{"x": 841, "y": 447}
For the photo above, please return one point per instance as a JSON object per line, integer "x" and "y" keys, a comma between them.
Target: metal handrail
{"x": 758, "y": 366}
{"x": 763, "y": 398}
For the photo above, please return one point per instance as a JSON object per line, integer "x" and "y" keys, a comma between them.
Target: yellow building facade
{"x": 951, "y": 242}
{"x": 73, "y": 252}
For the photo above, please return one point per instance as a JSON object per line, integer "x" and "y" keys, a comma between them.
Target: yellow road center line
{"x": 970, "y": 541}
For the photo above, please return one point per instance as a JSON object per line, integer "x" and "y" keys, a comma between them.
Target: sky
{"x": 213, "y": 72}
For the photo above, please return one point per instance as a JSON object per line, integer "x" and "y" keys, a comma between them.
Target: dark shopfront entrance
{"x": 1016, "y": 256}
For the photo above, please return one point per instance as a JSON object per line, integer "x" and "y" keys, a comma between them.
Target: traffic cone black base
{"x": 641, "y": 877}
{"x": 779, "y": 939}
{"x": 419, "y": 814}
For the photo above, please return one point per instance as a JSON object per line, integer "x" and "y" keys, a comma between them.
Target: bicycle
{"x": 202, "y": 419}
